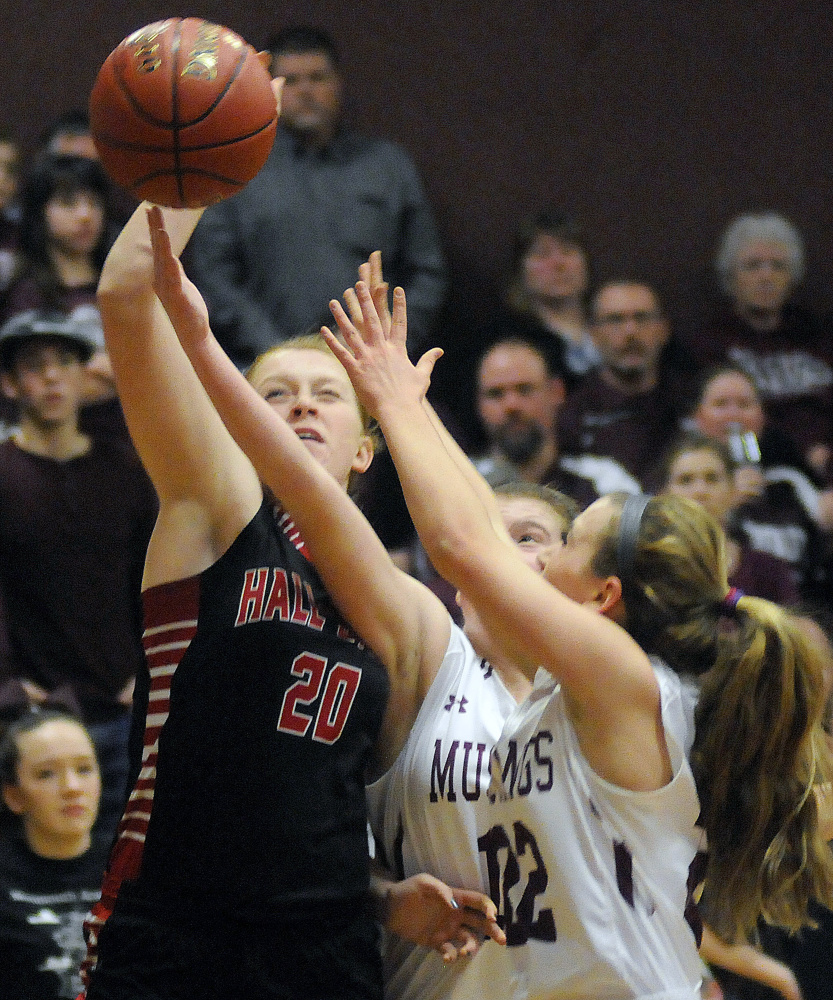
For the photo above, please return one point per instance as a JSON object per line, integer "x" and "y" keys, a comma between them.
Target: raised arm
{"x": 608, "y": 679}
{"x": 371, "y": 274}
{"x": 399, "y": 618}
{"x": 207, "y": 488}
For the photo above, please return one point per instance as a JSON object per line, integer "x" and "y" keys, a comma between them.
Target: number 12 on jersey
{"x": 503, "y": 851}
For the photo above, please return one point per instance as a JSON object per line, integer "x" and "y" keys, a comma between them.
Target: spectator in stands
{"x": 51, "y": 864}
{"x": 629, "y": 408}
{"x": 784, "y": 512}
{"x": 65, "y": 233}
{"x": 9, "y": 209}
{"x": 702, "y": 469}
{"x": 784, "y": 347}
{"x": 519, "y": 398}
{"x": 69, "y": 135}
{"x": 76, "y": 513}
{"x": 269, "y": 259}
{"x": 550, "y": 283}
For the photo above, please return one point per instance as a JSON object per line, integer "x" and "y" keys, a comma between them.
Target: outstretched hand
{"x": 374, "y": 351}
{"x": 179, "y": 296}
{"x": 454, "y": 922}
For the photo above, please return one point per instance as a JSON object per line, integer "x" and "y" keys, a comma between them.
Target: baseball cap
{"x": 34, "y": 323}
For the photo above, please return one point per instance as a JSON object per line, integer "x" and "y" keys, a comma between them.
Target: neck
{"x": 536, "y": 467}
{"x": 60, "y": 443}
{"x": 57, "y": 848}
{"x": 73, "y": 270}
{"x": 311, "y": 141}
{"x": 762, "y": 320}
{"x": 564, "y": 316}
{"x": 630, "y": 385}
{"x": 513, "y": 678}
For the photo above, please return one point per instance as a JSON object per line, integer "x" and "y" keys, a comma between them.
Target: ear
{"x": 558, "y": 390}
{"x": 9, "y": 385}
{"x": 13, "y": 798}
{"x": 609, "y": 599}
{"x": 364, "y": 455}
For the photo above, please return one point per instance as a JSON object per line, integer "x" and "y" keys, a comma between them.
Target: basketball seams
{"x": 236, "y": 72}
{"x": 143, "y": 147}
{"x": 175, "y": 72}
{"x": 182, "y": 158}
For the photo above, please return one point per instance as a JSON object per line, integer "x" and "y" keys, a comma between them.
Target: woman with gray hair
{"x": 785, "y": 348}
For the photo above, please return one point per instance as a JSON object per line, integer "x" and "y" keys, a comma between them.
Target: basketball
{"x": 182, "y": 113}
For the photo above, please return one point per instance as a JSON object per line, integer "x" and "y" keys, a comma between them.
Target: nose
{"x": 50, "y": 370}
{"x": 84, "y": 208}
{"x": 544, "y": 555}
{"x": 304, "y": 402}
{"x": 72, "y": 781}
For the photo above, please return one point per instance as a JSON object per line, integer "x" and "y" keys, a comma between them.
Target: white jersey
{"x": 591, "y": 878}
{"x": 427, "y": 810}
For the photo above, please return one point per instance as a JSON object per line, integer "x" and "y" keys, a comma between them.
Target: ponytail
{"x": 759, "y": 751}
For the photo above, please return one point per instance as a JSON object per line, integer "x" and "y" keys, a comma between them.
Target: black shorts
{"x": 333, "y": 956}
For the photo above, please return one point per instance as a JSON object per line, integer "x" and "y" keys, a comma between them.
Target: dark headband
{"x": 630, "y": 522}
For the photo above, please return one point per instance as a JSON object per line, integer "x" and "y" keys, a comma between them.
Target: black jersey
{"x": 43, "y": 902}
{"x": 262, "y": 709}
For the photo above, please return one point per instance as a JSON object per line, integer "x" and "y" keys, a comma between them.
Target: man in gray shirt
{"x": 269, "y": 259}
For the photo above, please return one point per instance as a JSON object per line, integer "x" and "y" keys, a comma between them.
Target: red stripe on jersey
{"x": 287, "y": 526}
{"x": 170, "y": 625}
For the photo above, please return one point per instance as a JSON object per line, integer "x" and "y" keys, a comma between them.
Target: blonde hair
{"x": 315, "y": 342}
{"x": 565, "y": 507}
{"x": 759, "y": 745}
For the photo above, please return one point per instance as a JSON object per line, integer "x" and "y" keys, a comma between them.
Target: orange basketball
{"x": 182, "y": 113}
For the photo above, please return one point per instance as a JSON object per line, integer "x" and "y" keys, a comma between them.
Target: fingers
{"x": 426, "y": 363}
{"x": 375, "y": 267}
{"x": 480, "y": 914}
{"x": 353, "y": 307}
{"x": 399, "y": 320}
{"x": 277, "y": 90}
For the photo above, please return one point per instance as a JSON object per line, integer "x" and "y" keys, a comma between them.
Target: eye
{"x": 329, "y": 394}
{"x": 275, "y": 394}
{"x": 529, "y": 538}
{"x": 45, "y": 774}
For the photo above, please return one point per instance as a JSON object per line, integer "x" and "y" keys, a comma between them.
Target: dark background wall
{"x": 653, "y": 121}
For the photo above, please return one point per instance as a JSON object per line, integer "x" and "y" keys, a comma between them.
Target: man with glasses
{"x": 630, "y": 407}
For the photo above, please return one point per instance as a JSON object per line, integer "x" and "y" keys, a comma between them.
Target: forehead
{"x": 527, "y": 510}
{"x": 302, "y": 64}
{"x": 698, "y": 460}
{"x": 763, "y": 250}
{"x": 731, "y": 385}
{"x": 56, "y": 738}
{"x": 544, "y": 242}
{"x": 626, "y": 298}
{"x": 297, "y": 364}
{"x": 512, "y": 363}
{"x": 592, "y": 521}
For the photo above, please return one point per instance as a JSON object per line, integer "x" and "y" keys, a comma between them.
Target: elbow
{"x": 455, "y": 555}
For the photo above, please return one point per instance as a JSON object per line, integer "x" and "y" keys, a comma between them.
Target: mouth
{"x": 307, "y": 434}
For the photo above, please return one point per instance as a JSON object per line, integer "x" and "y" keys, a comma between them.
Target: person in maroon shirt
{"x": 784, "y": 347}
{"x": 629, "y": 408}
{"x": 76, "y": 514}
